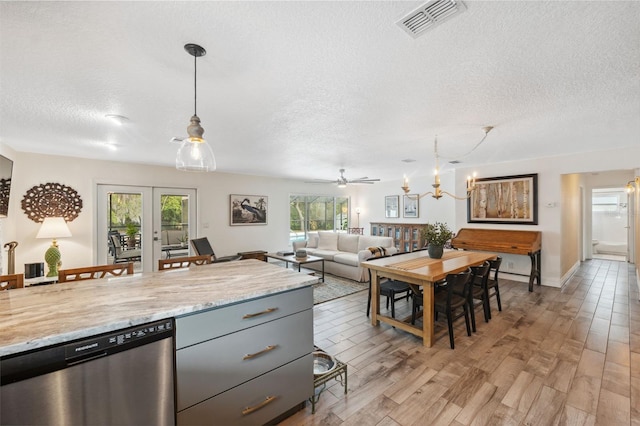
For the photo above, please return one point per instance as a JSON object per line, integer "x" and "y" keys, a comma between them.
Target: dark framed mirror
{"x": 6, "y": 170}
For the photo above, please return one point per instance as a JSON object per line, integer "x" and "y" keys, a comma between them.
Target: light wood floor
{"x": 554, "y": 356}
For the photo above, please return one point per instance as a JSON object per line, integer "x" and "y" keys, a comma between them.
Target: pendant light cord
{"x": 195, "y": 85}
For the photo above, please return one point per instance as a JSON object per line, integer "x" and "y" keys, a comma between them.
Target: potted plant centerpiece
{"x": 435, "y": 236}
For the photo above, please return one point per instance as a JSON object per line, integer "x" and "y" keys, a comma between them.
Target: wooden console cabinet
{"x": 256, "y": 254}
{"x": 504, "y": 241}
{"x": 406, "y": 236}
{"x": 245, "y": 364}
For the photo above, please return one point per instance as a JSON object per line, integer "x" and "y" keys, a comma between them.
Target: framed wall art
{"x": 248, "y": 209}
{"x": 506, "y": 199}
{"x": 392, "y": 206}
{"x": 411, "y": 205}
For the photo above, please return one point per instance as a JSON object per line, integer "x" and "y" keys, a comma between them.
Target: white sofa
{"x": 342, "y": 253}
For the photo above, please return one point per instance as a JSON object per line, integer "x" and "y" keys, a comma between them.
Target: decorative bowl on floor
{"x": 323, "y": 363}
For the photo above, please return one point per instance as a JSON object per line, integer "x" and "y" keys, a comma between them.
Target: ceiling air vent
{"x": 430, "y": 15}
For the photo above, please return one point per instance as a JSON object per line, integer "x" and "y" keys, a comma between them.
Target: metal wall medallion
{"x": 51, "y": 200}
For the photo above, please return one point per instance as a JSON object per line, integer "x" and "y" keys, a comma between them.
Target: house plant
{"x": 131, "y": 232}
{"x": 435, "y": 236}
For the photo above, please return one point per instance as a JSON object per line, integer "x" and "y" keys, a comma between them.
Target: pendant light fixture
{"x": 195, "y": 154}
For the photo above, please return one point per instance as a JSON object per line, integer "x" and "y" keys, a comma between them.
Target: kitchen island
{"x": 275, "y": 302}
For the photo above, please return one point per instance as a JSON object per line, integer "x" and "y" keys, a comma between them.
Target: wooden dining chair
{"x": 492, "y": 284}
{"x": 183, "y": 262}
{"x": 452, "y": 302}
{"x": 393, "y": 290}
{"x": 12, "y": 281}
{"x": 94, "y": 272}
{"x": 479, "y": 294}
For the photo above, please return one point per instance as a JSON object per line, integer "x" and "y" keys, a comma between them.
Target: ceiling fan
{"x": 343, "y": 181}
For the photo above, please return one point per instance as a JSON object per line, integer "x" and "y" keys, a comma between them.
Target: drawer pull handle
{"x": 250, "y": 410}
{"x": 266, "y": 311}
{"x": 267, "y": 349}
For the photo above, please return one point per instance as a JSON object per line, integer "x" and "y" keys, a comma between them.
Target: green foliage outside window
{"x": 310, "y": 213}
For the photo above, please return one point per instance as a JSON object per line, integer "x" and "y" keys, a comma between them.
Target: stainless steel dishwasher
{"x": 118, "y": 378}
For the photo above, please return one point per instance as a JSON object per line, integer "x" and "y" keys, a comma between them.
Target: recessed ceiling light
{"x": 118, "y": 119}
{"x": 109, "y": 145}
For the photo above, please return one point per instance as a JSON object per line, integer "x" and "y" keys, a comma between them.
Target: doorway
{"x": 148, "y": 224}
{"x": 610, "y": 223}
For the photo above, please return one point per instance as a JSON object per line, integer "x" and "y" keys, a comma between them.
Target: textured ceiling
{"x": 302, "y": 89}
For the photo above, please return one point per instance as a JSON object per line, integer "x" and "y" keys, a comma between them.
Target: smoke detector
{"x": 429, "y": 15}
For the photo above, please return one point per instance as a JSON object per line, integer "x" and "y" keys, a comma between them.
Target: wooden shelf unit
{"x": 406, "y": 236}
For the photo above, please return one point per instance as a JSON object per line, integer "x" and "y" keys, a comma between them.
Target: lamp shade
{"x": 53, "y": 227}
{"x": 195, "y": 156}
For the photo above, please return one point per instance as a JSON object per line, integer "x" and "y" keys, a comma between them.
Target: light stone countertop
{"x": 39, "y": 316}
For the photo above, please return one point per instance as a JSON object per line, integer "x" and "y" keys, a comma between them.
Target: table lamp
{"x": 53, "y": 227}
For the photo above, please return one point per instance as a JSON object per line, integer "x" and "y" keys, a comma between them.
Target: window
{"x": 316, "y": 213}
{"x": 610, "y": 201}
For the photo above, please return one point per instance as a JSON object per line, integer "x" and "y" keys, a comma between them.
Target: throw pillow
{"x": 348, "y": 242}
{"x": 377, "y": 251}
{"x": 312, "y": 240}
{"x": 328, "y": 240}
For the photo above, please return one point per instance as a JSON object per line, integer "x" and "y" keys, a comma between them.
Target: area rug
{"x": 334, "y": 287}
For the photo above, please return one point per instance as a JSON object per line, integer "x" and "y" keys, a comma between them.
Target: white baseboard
{"x": 525, "y": 279}
{"x": 569, "y": 274}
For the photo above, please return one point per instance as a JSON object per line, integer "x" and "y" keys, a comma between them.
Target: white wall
{"x": 213, "y": 204}
{"x": 549, "y": 199}
{"x": 371, "y": 199}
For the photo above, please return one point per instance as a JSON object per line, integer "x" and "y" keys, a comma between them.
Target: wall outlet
{"x": 509, "y": 265}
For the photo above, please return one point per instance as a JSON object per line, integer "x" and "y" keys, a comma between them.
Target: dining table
{"x": 419, "y": 271}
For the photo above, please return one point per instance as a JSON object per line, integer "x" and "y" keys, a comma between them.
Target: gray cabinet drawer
{"x": 202, "y": 326}
{"x": 212, "y": 367}
{"x": 257, "y": 401}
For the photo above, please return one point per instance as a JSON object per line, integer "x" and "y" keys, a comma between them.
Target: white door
{"x": 142, "y": 216}
{"x": 174, "y": 222}
{"x": 631, "y": 228}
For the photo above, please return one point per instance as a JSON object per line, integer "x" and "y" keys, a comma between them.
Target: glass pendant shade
{"x": 195, "y": 154}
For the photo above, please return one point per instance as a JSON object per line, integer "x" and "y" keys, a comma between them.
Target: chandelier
{"x": 437, "y": 192}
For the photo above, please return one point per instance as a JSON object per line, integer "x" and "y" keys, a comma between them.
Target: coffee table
{"x": 296, "y": 260}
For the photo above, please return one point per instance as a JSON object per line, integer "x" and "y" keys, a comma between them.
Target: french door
{"x": 151, "y": 222}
